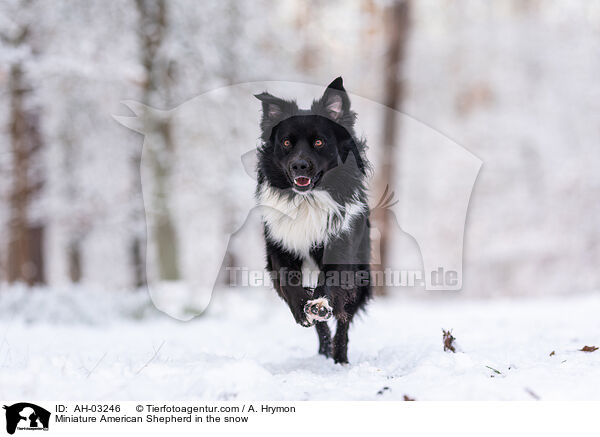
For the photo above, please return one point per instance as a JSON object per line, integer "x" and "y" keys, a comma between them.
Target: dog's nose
{"x": 300, "y": 165}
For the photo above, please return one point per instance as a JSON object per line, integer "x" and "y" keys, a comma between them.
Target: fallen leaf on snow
{"x": 448, "y": 341}
{"x": 588, "y": 349}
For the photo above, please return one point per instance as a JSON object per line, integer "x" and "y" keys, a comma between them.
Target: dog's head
{"x": 302, "y": 146}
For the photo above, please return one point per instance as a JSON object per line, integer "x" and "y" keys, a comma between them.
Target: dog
{"x": 311, "y": 185}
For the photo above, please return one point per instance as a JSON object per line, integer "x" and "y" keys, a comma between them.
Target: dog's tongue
{"x": 302, "y": 181}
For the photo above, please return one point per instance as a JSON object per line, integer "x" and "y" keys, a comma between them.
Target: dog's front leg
{"x": 287, "y": 281}
{"x": 296, "y": 298}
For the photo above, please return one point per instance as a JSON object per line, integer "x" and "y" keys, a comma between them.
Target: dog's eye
{"x": 286, "y": 143}
{"x": 318, "y": 143}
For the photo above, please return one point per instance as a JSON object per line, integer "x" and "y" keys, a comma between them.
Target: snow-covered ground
{"x": 66, "y": 345}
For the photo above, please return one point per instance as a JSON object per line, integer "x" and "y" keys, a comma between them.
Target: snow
{"x": 71, "y": 344}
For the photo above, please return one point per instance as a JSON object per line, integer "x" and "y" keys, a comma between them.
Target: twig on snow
{"x": 97, "y": 364}
{"x": 151, "y": 358}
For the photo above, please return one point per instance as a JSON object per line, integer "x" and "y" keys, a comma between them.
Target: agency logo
{"x": 26, "y": 416}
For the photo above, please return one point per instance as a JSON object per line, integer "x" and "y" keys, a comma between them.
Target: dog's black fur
{"x": 314, "y": 156}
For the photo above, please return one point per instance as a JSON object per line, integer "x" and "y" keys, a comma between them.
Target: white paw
{"x": 318, "y": 310}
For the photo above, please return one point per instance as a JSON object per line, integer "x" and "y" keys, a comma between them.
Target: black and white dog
{"x": 311, "y": 184}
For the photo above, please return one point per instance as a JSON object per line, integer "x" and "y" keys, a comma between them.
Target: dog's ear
{"x": 273, "y": 107}
{"x": 335, "y": 102}
{"x": 274, "y": 110}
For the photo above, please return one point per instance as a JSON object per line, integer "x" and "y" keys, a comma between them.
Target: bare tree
{"x": 76, "y": 233}
{"x": 153, "y": 24}
{"x": 309, "y": 53}
{"x": 397, "y": 31}
{"x": 25, "y": 254}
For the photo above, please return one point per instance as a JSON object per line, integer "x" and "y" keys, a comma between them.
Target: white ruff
{"x": 310, "y": 273}
{"x": 304, "y": 220}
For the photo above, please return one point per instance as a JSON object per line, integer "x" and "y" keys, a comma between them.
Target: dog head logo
{"x": 26, "y": 416}
{"x": 188, "y": 166}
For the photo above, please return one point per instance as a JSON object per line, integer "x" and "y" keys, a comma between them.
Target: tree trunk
{"x": 152, "y": 29}
{"x": 25, "y": 250}
{"x": 397, "y": 30}
{"x": 74, "y": 257}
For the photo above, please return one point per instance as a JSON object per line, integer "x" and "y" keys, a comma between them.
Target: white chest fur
{"x": 302, "y": 221}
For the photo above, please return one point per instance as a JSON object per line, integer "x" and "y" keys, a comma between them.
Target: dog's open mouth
{"x": 302, "y": 181}
{"x": 306, "y": 183}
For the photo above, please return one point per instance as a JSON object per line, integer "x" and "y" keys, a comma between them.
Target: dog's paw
{"x": 318, "y": 310}
{"x": 307, "y": 323}
{"x": 302, "y": 319}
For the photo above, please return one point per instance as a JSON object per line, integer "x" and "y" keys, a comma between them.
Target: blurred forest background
{"x": 515, "y": 82}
